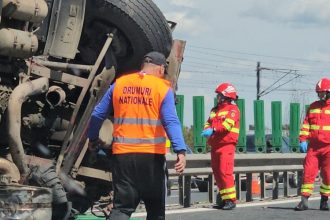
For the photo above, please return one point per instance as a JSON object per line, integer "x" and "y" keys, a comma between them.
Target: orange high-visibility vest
{"x": 137, "y": 100}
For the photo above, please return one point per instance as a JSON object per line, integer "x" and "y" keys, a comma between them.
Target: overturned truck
{"x": 57, "y": 58}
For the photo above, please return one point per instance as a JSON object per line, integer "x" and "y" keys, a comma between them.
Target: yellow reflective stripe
{"x": 325, "y": 186}
{"x": 304, "y": 133}
{"x": 222, "y": 113}
{"x": 226, "y": 125}
{"x": 228, "y": 190}
{"x": 315, "y": 127}
{"x": 306, "y": 190}
{"x": 168, "y": 143}
{"x": 234, "y": 130}
{"x": 230, "y": 121}
{"x": 306, "y": 126}
{"x": 212, "y": 114}
{"x": 327, "y": 111}
{"x": 307, "y": 185}
{"x": 326, "y": 128}
{"x": 327, "y": 191}
{"x": 207, "y": 125}
{"x": 317, "y": 110}
{"x": 230, "y": 196}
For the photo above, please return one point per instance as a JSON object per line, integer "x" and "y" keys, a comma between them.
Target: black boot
{"x": 303, "y": 205}
{"x": 229, "y": 205}
{"x": 219, "y": 202}
{"x": 324, "y": 203}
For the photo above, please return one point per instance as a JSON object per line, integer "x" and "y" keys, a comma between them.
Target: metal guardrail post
{"x": 211, "y": 188}
{"x": 249, "y": 187}
{"x": 238, "y": 185}
{"x": 241, "y": 145}
{"x": 276, "y": 181}
{"x": 185, "y": 190}
{"x": 294, "y": 126}
{"x": 299, "y": 176}
{"x": 276, "y": 126}
{"x": 259, "y": 126}
{"x": 262, "y": 185}
{"x": 198, "y": 115}
{"x": 285, "y": 184}
{"x": 181, "y": 189}
{"x": 245, "y": 164}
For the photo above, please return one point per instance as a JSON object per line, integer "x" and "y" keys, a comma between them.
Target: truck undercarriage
{"x": 57, "y": 58}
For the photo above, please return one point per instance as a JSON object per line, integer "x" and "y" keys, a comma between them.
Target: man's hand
{"x": 207, "y": 132}
{"x": 180, "y": 163}
{"x": 303, "y": 147}
{"x": 95, "y": 144}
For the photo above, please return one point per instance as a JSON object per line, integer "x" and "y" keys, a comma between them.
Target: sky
{"x": 225, "y": 40}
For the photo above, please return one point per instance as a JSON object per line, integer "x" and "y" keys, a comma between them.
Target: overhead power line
{"x": 260, "y": 55}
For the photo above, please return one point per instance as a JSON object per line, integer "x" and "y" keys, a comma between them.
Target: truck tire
{"x": 46, "y": 176}
{"x": 141, "y": 28}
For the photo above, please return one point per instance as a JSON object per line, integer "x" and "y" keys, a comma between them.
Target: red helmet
{"x": 323, "y": 85}
{"x": 227, "y": 90}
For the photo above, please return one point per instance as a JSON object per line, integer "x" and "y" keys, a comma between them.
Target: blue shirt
{"x": 168, "y": 114}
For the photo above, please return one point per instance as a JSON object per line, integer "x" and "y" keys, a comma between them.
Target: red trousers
{"x": 222, "y": 162}
{"x": 316, "y": 158}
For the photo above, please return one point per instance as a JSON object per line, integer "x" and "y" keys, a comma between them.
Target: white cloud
{"x": 296, "y": 12}
{"x": 186, "y": 23}
{"x": 320, "y": 56}
{"x": 185, "y": 3}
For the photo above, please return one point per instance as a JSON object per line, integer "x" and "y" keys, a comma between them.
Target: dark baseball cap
{"x": 155, "y": 58}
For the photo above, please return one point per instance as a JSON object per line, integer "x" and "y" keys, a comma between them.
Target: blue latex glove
{"x": 303, "y": 147}
{"x": 207, "y": 132}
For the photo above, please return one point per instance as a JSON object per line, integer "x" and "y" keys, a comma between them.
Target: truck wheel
{"x": 202, "y": 184}
{"x": 293, "y": 180}
{"x": 141, "y": 28}
{"x": 46, "y": 176}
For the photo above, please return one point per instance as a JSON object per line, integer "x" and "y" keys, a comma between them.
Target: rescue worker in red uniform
{"x": 222, "y": 130}
{"x": 316, "y": 130}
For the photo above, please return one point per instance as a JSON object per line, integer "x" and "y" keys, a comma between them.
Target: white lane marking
{"x": 192, "y": 210}
{"x": 274, "y": 202}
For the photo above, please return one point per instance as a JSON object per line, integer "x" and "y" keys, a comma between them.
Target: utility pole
{"x": 258, "y": 80}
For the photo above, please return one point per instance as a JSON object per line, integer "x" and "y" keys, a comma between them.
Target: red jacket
{"x": 316, "y": 126}
{"x": 224, "y": 119}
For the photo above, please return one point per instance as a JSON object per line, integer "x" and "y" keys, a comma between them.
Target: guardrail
{"x": 245, "y": 165}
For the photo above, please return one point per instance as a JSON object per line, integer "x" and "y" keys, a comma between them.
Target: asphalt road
{"x": 278, "y": 209}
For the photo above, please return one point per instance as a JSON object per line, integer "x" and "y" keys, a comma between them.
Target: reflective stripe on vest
{"x": 212, "y": 114}
{"x": 222, "y": 113}
{"x": 304, "y": 133}
{"x": 137, "y": 121}
{"x": 235, "y": 130}
{"x": 123, "y": 140}
{"x": 327, "y": 112}
{"x": 306, "y": 126}
{"x": 317, "y": 127}
{"x": 315, "y": 111}
{"x": 228, "y": 124}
